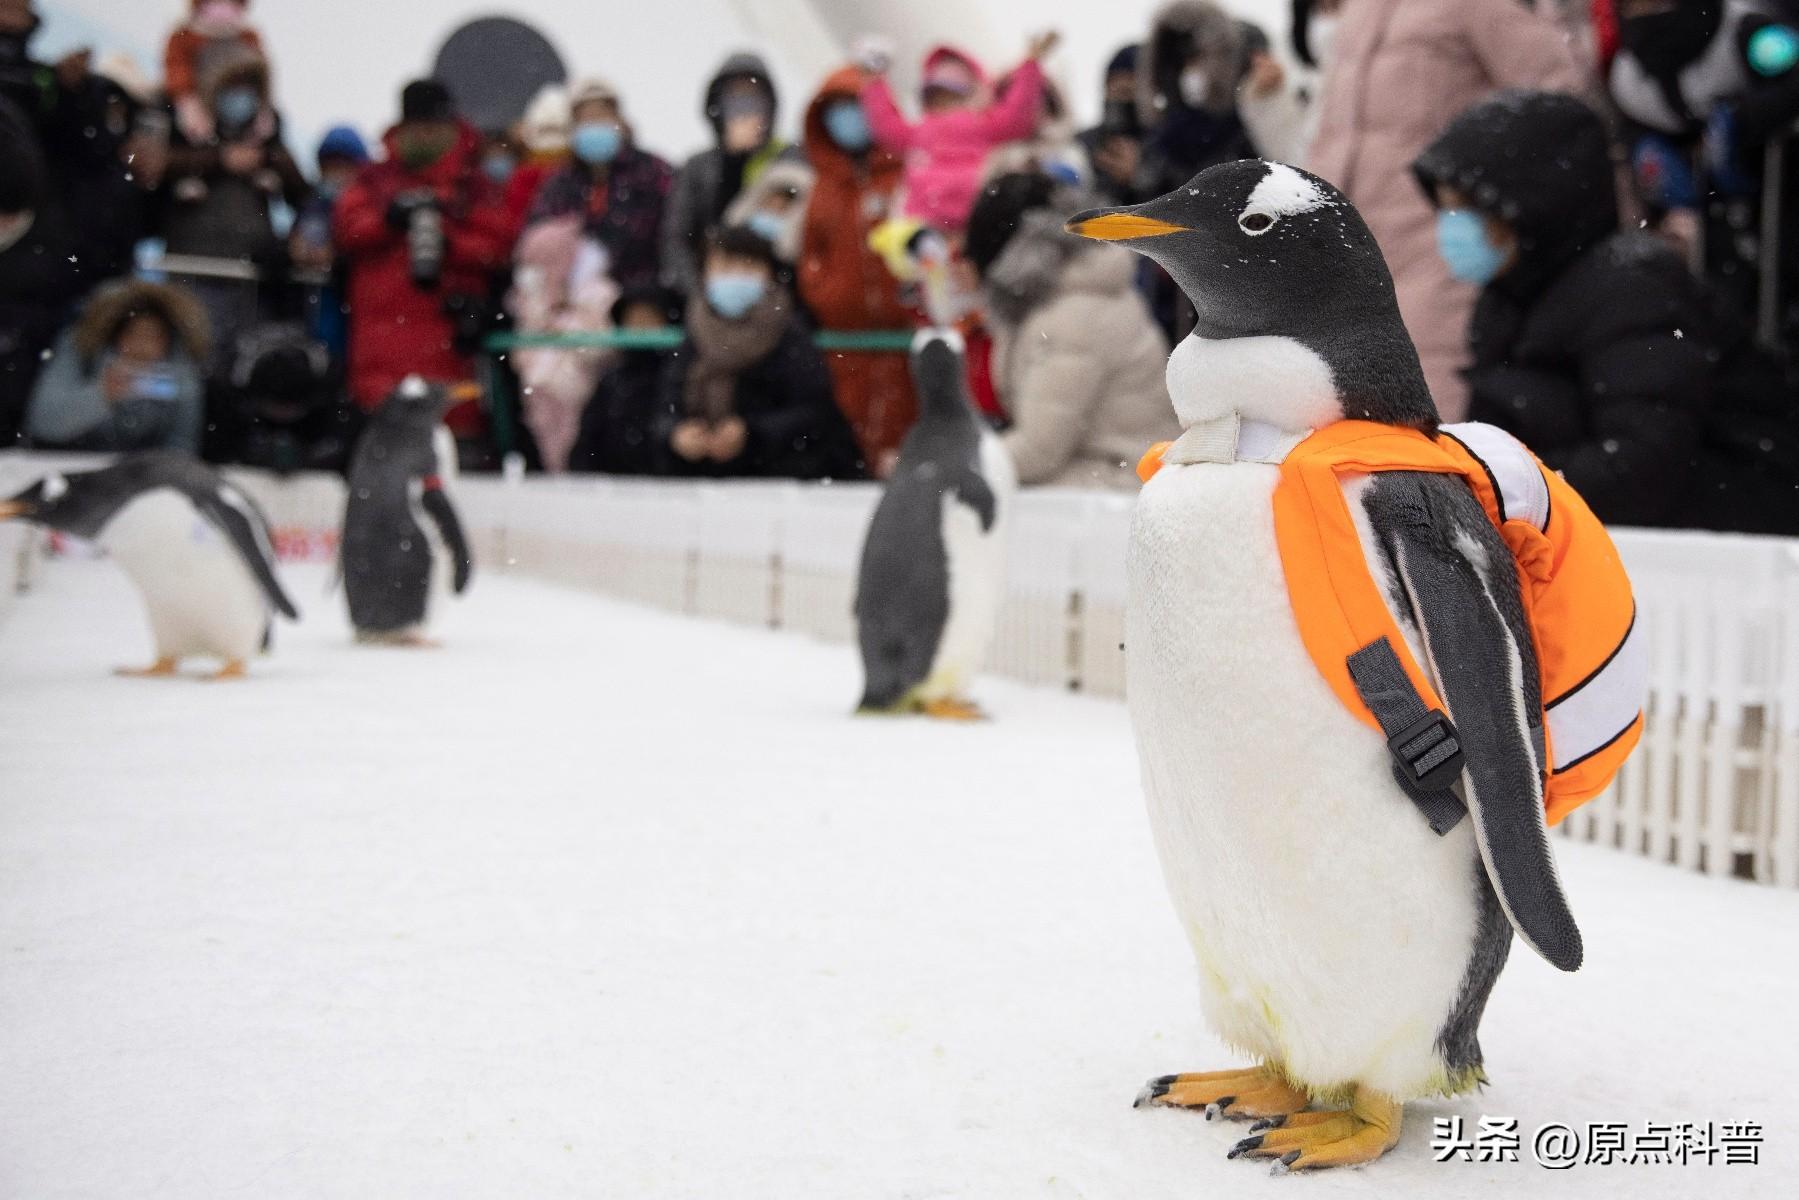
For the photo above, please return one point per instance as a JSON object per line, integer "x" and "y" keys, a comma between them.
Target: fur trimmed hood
{"x": 114, "y": 305}
{"x": 1180, "y": 30}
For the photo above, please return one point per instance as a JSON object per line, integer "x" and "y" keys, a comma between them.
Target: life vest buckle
{"x": 1429, "y": 752}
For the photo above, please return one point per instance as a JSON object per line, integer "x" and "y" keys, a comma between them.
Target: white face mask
{"x": 1320, "y": 34}
{"x": 1195, "y": 86}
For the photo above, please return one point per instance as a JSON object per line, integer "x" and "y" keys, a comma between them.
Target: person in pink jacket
{"x": 1396, "y": 73}
{"x": 945, "y": 149}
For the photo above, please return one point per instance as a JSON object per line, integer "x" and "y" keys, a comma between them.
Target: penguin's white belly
{"x": 1332, "y": 928}
{"x": 977, "y": 577}
{"x": 200, "y": 595}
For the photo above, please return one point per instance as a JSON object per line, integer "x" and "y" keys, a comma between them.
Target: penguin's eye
{"x": 1255, "y": 223}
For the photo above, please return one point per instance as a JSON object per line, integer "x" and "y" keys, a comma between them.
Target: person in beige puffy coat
{"x": 1077, "y": 359}
{"x": 1397, "y": 72}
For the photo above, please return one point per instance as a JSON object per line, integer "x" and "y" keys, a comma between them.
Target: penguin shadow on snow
{"x": 932, "y": 572}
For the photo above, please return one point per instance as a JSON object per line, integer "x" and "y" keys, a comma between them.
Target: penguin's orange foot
{"x": 162, "y": 668}
{"x": 954, "y": 710}
{"x": 231, "y": 670}
{"x": 1309, "y": 1141}
{"x": 1236, "y": 1095}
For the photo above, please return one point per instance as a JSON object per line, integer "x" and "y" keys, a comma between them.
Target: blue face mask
{"x": 1462, "y": 241}
{"x": 237, "y": 106}
{"x": 848, "y": 126}
{"x": 498, "y": 167}
{"x": 768, "y": 226}
{"x": 733, "y": 295}
{"x": 596, "y": 142}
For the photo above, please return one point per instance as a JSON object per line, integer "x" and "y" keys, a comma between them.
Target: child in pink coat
{"x": 944, "y": 150}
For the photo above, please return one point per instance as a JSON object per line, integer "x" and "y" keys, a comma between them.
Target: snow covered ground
{"x": 600, "y": 902}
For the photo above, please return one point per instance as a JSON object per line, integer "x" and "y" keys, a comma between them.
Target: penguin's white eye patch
{"x": 1255, "y": 223}
{"x": 54, "y": 486}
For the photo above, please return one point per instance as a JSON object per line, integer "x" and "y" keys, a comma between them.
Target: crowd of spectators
{"x": 1570, "y": 194}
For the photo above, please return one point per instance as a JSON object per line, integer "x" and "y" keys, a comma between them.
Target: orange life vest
{"x": 1576, "y": 594}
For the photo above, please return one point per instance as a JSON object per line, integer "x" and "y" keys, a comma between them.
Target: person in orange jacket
{"x": 841, "y": 279}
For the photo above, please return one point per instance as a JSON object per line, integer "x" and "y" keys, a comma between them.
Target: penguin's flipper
{"x": 436, "y": 503}
{"x": 1461, "y": 588}
{"x": 974, "y": 491}
{"x": 237, "y": 515}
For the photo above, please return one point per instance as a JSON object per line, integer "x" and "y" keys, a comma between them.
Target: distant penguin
{"x": 196, "y": 546}
{"x": 1344, "y": 944}
{"x": 933, "y": 565}
{"x": 403, "y": 546}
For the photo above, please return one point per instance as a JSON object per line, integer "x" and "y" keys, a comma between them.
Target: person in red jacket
{"x": 422, "y": 233}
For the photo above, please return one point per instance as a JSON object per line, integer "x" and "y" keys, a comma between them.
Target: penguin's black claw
{"x": 1153, "y": 1091}
{"x": 1216, "y": 1108}
{"x": 1267, "y": 1123}
{"x": 1285, "y": 1164}
{"x": 1248, "y": 1143}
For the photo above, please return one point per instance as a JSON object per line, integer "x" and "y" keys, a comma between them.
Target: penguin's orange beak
{"x": 1105, "y": 226}
{"x": 15, "y": 508}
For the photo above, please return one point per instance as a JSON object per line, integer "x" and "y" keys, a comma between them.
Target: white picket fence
{"x": 1715, "y": 786}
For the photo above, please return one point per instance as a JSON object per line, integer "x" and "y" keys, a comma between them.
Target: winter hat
{"x": 123, "y": 72}
{"x": 743, "y": 242}
{"x": 1558, "y": 202}
{"x": 426, "y": 100}
{"x": 742, "y": 65}
{"x": 593, "y": 91}
{"x": 117, "y": 303}
{"x": 950, "y": 71}
{"x": 997, "y": 212}
{"x": 343, "y": 142}
{"x": 1124, "y": 61}
{"x": 547, "y": 120}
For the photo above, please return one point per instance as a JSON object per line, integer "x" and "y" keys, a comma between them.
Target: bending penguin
{"x": 1345, "y": 943}
{"x": 403, "y": 545}
{"x": 933, "y": 565}
{"x": 196, "y": 546}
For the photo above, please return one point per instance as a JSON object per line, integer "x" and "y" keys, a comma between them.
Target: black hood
{"x": 740, "y": 66}
{"x": 1539, "y": 161}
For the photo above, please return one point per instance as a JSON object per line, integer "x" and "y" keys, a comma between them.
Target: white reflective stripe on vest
{"x": 1523, "y": 492}
{"x": 1590, "y": 718}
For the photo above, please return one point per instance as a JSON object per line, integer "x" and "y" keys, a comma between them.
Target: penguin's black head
{"x": 1254, "y": 245}
{"x": 937, "y": 371}
{"x": 415, "y": 404}
{"x": 1266, "y": 250}
{"x": 56, "y": 501}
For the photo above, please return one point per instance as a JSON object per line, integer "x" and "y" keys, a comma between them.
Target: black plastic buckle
{"x": 1429, "y": 752}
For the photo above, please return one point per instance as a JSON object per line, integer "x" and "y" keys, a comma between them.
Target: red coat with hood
{"x": 396, "y": 327}
{"x": 844, "y": 283}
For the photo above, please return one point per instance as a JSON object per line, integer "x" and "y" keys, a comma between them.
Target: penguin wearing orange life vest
{"x": 1349, "y": 920}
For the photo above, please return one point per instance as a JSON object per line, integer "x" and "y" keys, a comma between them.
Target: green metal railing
{"x": 503, "y": 405}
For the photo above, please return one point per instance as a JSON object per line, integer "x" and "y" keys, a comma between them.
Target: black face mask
{"x": 1665, "y": 42}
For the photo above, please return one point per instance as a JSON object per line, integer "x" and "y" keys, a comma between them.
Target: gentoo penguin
{"x": 197, "y": 548}
{"x": 1343, "y": 944}
{"x": 933, "y": 564}
{"x": 403, "y": 546}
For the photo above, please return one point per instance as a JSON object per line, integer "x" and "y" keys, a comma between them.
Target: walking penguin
{"x": 195, "y": 545}
{"x": 934, "y": 562}
{"x": 403, "y": 545}
{"x": 1347, "y": 631}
